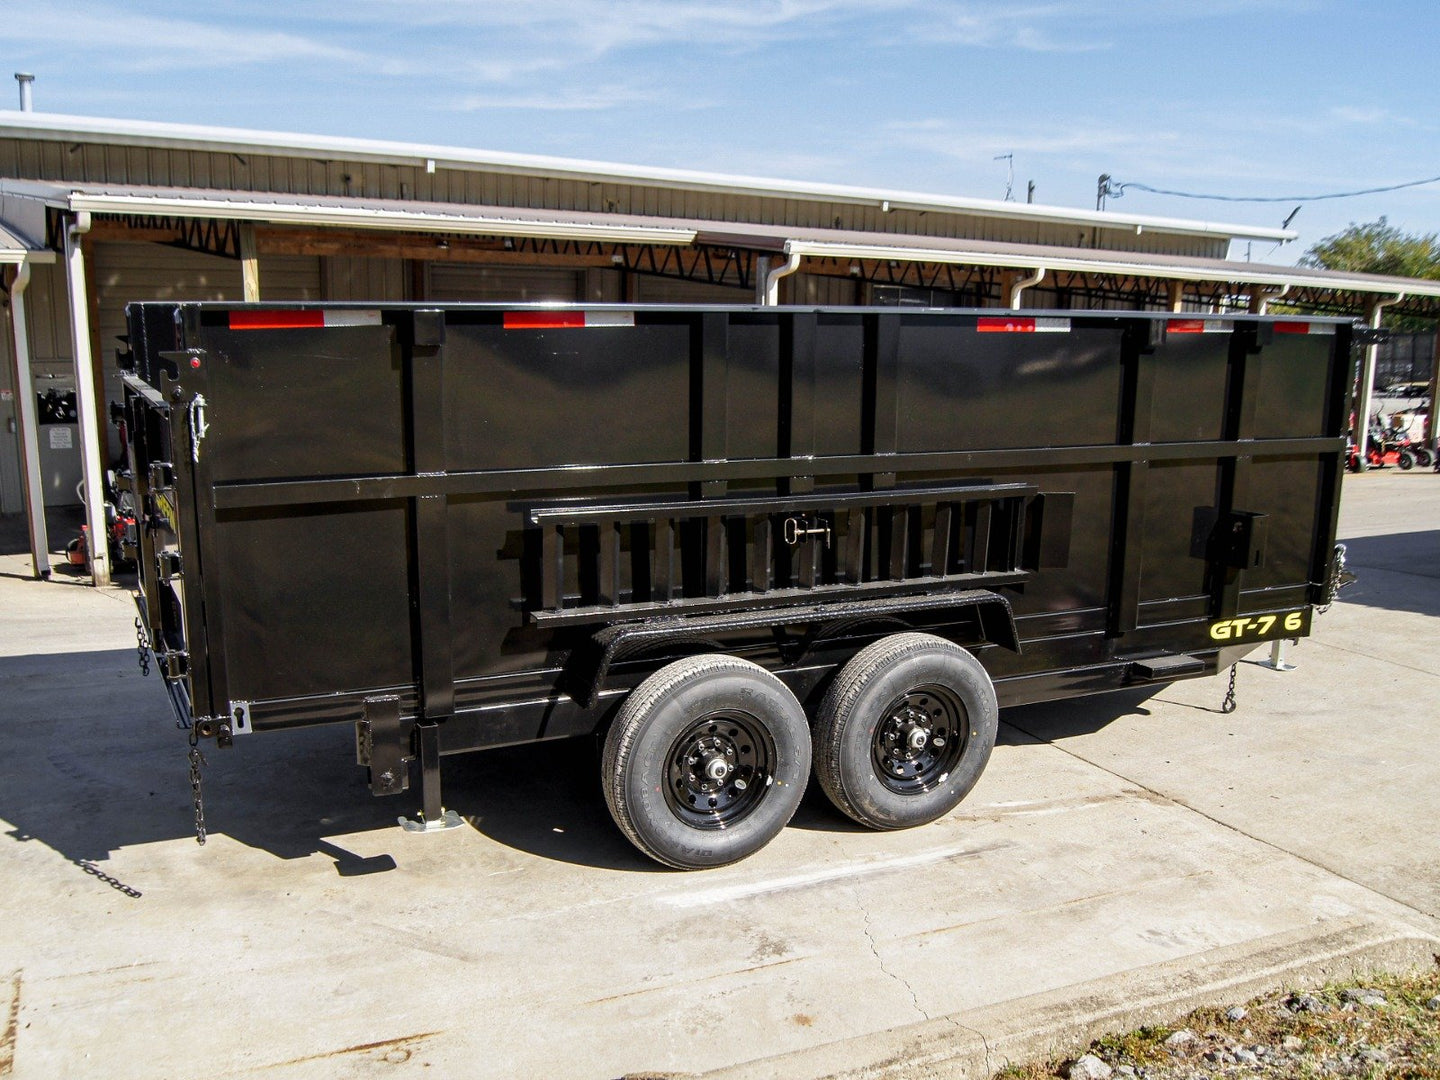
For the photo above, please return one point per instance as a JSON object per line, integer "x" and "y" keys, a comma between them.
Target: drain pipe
{"x": 1024, "y": 283}
{"x": 1261, "y": 299}
{"x": 29, "y": 431}
{"x": 769, "y": 277}
{"x": 92, "y": 428}
{"x": 1367, "y": 379}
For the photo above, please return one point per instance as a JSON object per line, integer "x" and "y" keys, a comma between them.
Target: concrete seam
{"x": 1377, "y": 659}
{"x": 1429, "y": 917}
{"x": 875, "y": 951}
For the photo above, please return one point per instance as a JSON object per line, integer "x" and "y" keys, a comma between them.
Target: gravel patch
{"x": 1380, "y": 1029}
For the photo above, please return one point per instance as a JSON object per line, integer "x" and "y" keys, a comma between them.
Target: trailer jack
{"x": 433, "y": 817}
{"x": 381, "y": 744}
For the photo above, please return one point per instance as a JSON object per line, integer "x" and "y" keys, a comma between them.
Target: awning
{"x": 404, "y": 215}
{"x": 22, "y": 231}
{"x": 1303, "y": 285}
{"x": 1085, "y": 261}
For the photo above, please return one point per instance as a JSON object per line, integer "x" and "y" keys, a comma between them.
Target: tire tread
{"x": 828, "y": 736}
{"x": 620, "y": 741}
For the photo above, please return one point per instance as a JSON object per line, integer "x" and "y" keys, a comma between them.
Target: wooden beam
{"x": 249, "y": 263}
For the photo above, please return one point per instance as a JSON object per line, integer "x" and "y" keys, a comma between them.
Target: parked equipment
{"x": 731, "y": 541}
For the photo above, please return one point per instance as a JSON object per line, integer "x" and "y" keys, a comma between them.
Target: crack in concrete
{"x": 990, "y": 1067}
{"x": 875, "y": 951}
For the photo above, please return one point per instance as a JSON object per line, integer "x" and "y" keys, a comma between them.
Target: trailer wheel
{"x": 1407, "y": 461}
{"x": 1423, "y": 457}
{"x": 905, "y": 731}
{"x": 706, "y": 761}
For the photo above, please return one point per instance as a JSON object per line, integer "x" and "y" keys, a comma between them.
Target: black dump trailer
{"x": 736, "y": 542}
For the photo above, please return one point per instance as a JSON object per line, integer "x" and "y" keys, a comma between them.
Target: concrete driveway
{"x": 1122, "y": 857}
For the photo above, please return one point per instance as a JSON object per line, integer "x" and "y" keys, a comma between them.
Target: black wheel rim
{"x": 718, "y": 770}
{"x": 919, "y": 740}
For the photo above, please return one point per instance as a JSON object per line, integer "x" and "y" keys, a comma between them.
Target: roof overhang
{"x": 148, "y": 134}
{"x": 22, "y": 229}
{"x": 459, "y": 221}
{"x": 1026, "y": 257}
{"x": 403, "y": 215}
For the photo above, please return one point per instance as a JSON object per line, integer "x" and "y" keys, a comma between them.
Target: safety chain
{"x": 119, "y": 886}
{"x": 1337, "y": 579}
{"x": 196, "y": 760}
{"x": 142, "y": 646}
{"x": 1228, "y": 705}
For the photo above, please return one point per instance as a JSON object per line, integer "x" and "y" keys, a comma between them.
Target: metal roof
{"x": 335, "y": 210}
{"x": 141, "y": 133}
{"x": 466, "y": 219}
{"x": 11, "y": 249}
{"x": 1086, "y": 260}
{"x": 22, "y": 232}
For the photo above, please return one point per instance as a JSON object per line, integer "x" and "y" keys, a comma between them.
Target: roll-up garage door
{"x": 663, "y": 290}
{"x": 459, "y": 282}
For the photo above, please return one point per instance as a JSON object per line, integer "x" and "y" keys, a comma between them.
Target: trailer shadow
{"x": 1395, "y": 572}
{"x": 1051, "y": 721}
{"x": 94, "y": 765}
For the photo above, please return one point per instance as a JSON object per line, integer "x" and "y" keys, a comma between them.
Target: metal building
{"x": 95, "y": 213}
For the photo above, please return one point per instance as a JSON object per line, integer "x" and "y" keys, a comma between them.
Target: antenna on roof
{"x": 27, "y": 94}
{"x": 1009, "y": 176}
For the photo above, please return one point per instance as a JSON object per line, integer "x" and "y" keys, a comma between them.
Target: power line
{"x": 1116, "y": 190}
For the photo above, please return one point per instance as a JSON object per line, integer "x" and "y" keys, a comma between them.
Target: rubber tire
{"x": 1407, "y": 461}
{"x": 655, "y": 714}
{"x": 1424, "y": 458}
{"x": 845, "y": 725}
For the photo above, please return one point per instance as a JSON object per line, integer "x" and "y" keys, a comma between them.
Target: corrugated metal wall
{"x": 100, "y": 163}
{"x": 12, "y": 494}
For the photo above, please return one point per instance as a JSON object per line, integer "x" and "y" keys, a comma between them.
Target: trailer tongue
{"x": 734, "y": 542}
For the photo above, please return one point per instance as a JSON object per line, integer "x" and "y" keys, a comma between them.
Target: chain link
{"x": 142, "y": 647}
{"x": 196, "y": 760}
{"x": 1336, "y": 581}
{"x": 1228, "y": 705}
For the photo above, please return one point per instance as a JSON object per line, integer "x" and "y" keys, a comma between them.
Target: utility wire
{"x": 1116, "y": 190}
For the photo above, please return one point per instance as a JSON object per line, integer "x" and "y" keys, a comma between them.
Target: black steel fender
{"x": 620, "y": 641}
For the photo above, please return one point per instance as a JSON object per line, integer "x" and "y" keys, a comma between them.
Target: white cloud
{"x": 563, "y": 99}
{"x": 136, "y": 42}
{"x": 1369, "y": 116}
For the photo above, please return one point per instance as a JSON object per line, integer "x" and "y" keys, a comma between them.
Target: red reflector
{"x": 1185, "y": 326}
{"x": 542, "y": 320}
{"x": 275, "y": 320}
{"x": 1292, "y": 328}
{"x": 989, "y": 324}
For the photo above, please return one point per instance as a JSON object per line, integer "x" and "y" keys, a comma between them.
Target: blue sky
{"x": 1242, "y": 97}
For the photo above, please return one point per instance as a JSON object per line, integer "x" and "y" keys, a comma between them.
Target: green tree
{"x": 1377, "y": 247}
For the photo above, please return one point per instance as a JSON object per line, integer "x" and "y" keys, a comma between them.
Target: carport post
{"x": 1367, "y": 381}
{"x": 1432, "y": 431}
{"x": 29, "y": 431}
{"x": 92, "y": 430}
{"x": 249, "y": 263}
